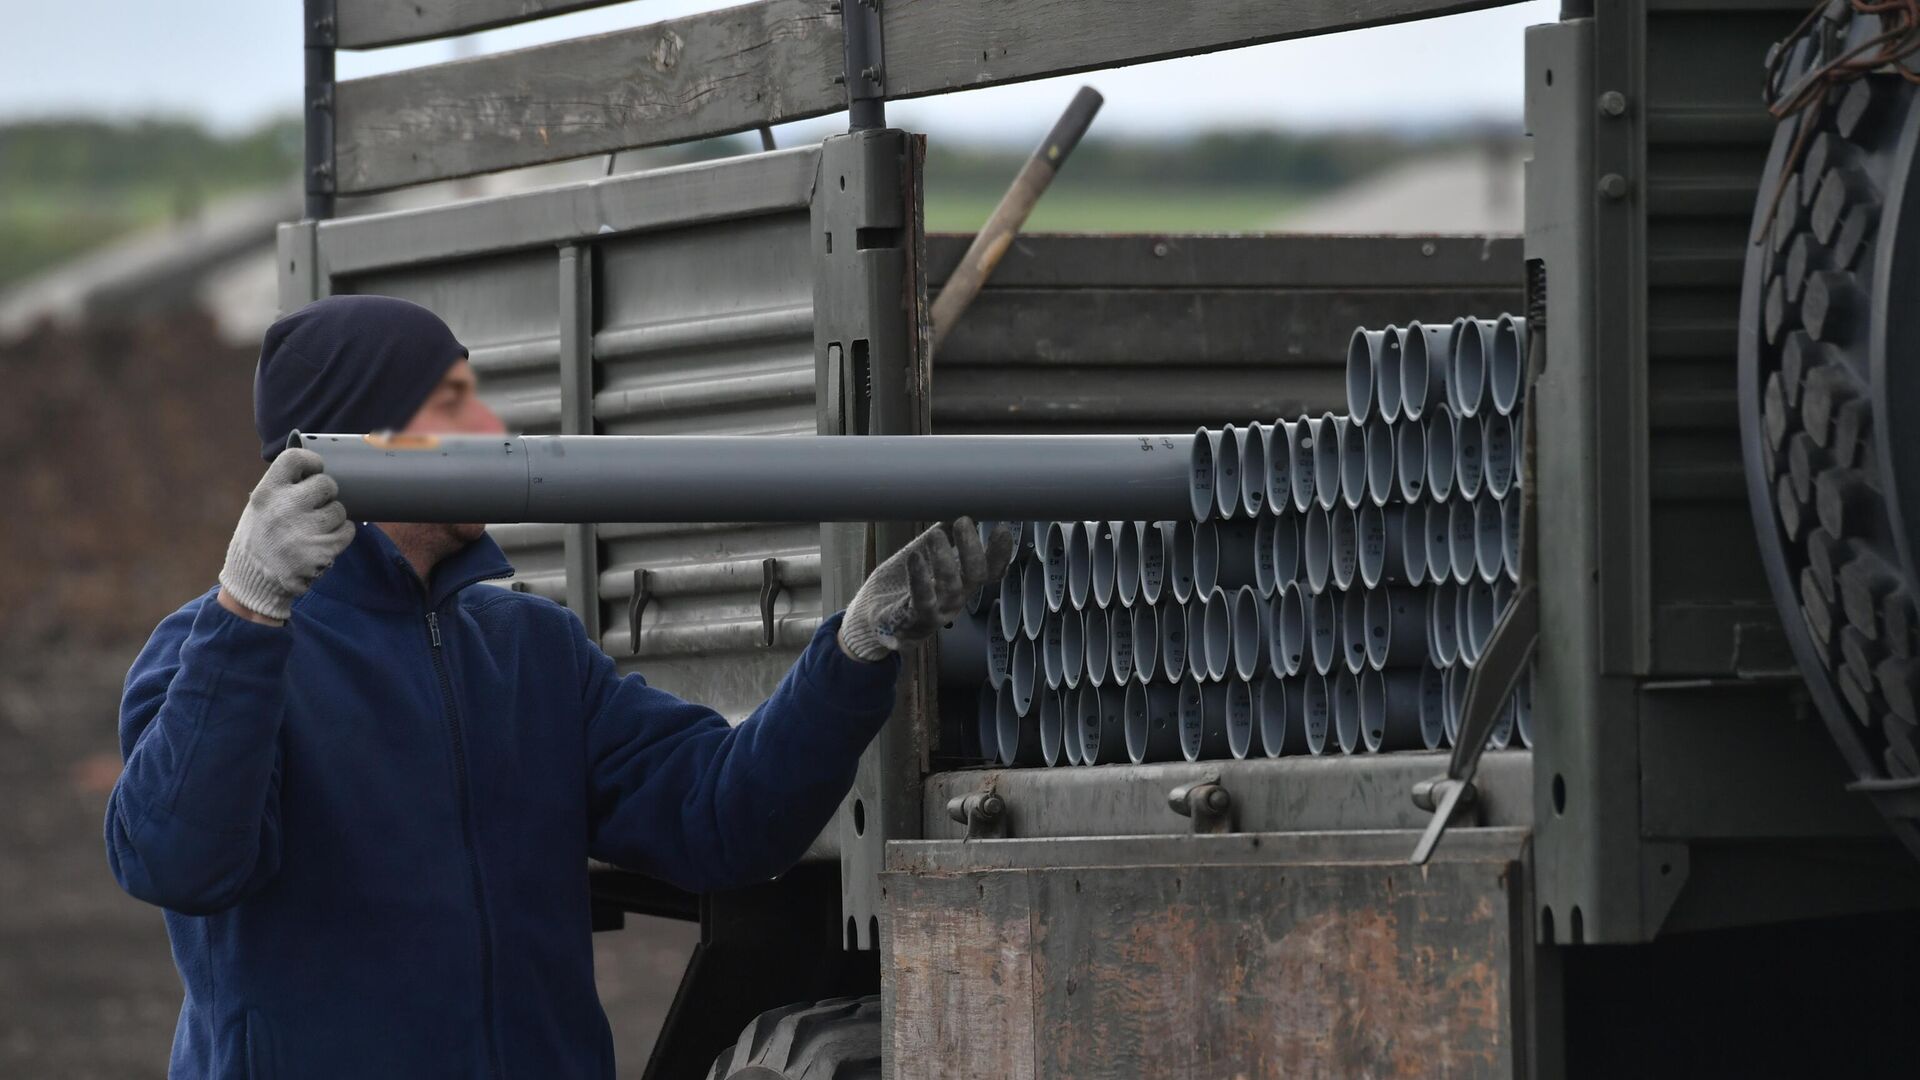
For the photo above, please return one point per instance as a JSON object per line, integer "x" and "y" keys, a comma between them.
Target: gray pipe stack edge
{"x": 502, "y": 480}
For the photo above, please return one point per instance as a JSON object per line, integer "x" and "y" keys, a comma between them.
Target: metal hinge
{"x": 983, "y": 812}
{"x": 1206, "y": 805}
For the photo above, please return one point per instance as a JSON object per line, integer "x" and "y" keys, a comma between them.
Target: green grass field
{"x": 1112, "y": 208}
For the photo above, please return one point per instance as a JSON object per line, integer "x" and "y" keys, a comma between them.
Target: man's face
{"x": 455, "y": 408}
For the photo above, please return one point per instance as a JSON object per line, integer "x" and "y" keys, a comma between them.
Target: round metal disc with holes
{"x": 1828, "y": 375}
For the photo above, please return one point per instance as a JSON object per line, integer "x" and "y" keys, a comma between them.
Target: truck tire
{"x": 824, "y": 1040}
{"x": 1829, "y": 396}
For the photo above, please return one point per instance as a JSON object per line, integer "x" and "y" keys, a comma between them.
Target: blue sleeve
{"x": 193, "y": 823}
{"x": 680, "y": 795}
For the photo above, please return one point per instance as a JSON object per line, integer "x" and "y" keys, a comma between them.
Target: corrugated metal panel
{"x": 1707, "y": 133}
{"x": 702, "y": 317}
{"x": 1165, "y": 333}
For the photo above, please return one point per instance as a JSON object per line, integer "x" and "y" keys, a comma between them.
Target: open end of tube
{"x": 1469, "y": 466}
{"x": 1315, "y": 714}
{"x": 1153, "y": 560}
{"x": 1020, "y": 674}
{"x": 1503, "y": 372}
{"x": 999, "y": 648}
{"x": 1080, "y": 563}
{"x": 1353, "y": 628}
{"x": 1523, "y": 708}
{"x": 1373, "y": 710}
{"x": 1328, "y": 453}
{"x": 1173, "y": 642}
{"x": 1120, "y": 646}
{"x": 1443, "y": 646}
{"x": 1380, "y": 451}
{"x": 1253, "y": 467}
{"x": 1323, "y": 629}
{"x": 1286, "y": 549}
{"x": 1438, "y": 520}
{"x": 1510, "y": 538}
{"x": 1371, "y": 527}
{"x": 1203, "y": 475}
{"x": 1479, "y": 616}
{"x": 1461, "y": 541}
{"x": 1073, "y": 647}
{"x": 1226, "y": 473}
{"x": 1433, "y": 707}
{"x": 1489, "y": 539}
{"x": 1193, "y": 719}
{"x": 1217, "y": 631}
{"x": 1346, "y": 711}
{"x": 1179, "y": 561}
{"x": 1058, "y": 551}
{"x": 1239, "y": 717}
{"x": 1263, "y": 556}
{"x": 1415, "y": 372}
{"x": 1343, "y": 546}
{"x": 1052, "y": 727}
{"x": 1292, "y": 629}
{"x": 1006, "y": 742}
{"x": 1317, "y": 550}
{"x": 1386, "y": 375}
{"x": 1248, "y": 645}
{"x": 1206, "y": 557}
{"x": 1133, "y": 715}
{"x": 1361, "y": 349}
{"x": 1033, "y": 598}
{"x": 1306, "y": 447}
{"x": 1413, "y": 542}
{"x": 1353, "y": 464}
{"x": 1441, "y": 465}
{"x": 1410, "y": 459}
{"x": 1146, "y": 642}
{"x": 1280, "y": 465}
{"x": 1126, "y": 561}
{"x": 1468, "y": 386}
{"x": 1083, "y": 732}
{"x": 1456, "y": 698}
{"x": 1010, "y": 601}
{"x": 1496, "y": 443}
{"x": 1502, "y": 735}
{"x": 1270, "y": 709}
{"x": 1378, "y": 618}
{"x": 1101, "y": 571}
{"x": 1052, "y": 664}
{"x": 1098, "y": 649}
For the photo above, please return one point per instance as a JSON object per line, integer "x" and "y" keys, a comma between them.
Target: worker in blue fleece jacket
{"x": 365, "y": 791}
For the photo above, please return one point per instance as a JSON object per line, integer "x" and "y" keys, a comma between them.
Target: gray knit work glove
{"x": 291, "y": 530}
{"x": 924, "y": 586}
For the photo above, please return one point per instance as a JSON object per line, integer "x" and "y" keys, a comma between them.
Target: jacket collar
{"x": 371, "y": 573}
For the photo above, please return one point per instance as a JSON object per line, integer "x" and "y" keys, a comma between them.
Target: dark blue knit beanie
{"x": 349, "y": 364}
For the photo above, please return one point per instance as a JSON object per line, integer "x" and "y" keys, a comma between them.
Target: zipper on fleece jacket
{"x": 456, "y": 737}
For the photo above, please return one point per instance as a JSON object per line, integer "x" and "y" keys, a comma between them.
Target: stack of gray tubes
{"x": 1338, "y": 581}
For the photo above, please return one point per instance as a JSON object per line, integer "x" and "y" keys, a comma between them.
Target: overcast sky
{"x": 236, "y": 62}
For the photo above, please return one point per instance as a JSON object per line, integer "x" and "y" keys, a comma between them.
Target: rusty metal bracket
{"x": 984, "y": 813}
{"x": 636, "y": 606}
{"x": 1206, "y": 805}
{"x": 770, "y": 587}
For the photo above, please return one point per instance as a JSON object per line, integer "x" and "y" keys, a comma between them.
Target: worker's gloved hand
{"x": 924, "y": 586}
{"x": 291, "y": 530}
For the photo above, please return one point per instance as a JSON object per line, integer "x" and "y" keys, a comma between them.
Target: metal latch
{"x": 984, "y": 813}
{"x": 1207, "y": 806}
{"x": 636, "y": 605}
{"x": 770, "y": 586}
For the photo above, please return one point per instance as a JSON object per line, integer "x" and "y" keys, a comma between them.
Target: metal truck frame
{"x": 1679, "y": 782}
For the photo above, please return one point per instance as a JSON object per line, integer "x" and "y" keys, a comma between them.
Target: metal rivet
{"x": 1427, "y": 248}
{"x": 1160, "y": 249}
{"x": 1613, "y": 103}
{"x": 1613, "y": 186}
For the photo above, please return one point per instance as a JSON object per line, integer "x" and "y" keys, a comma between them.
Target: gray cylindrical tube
{"x": 1505, "y": 365}
{"x": 1053, "y": 727}
{"x": 1126, "y": 561}
{"x": 1489, "y": 539}
{"x": 1519, "y": 418}
{"x": 1253, "y": 467}
{"x": 1413, "y": 542}
{"x": 1386, "y": 374}
{"x": 1073, "y": 647}
{"x": 1443, "y": 632}
{"x": 1022, "y": 674}
{"x": 1343, "y": 547}
{"x": 1316, "y": 549}
{"x": 1213, "y": 635}
{"x": 1099, "y": 648}
{"x": 1424, "y": 369}
{"x": 1289, "y": 634}
{"x": 677, "y": 478}
{"x": 1502, "y": 735}
{"x": 1243, "y": 730}
{"x": 1382, "y": 534}
{"x": 1052, "y": 646}
{"x": 1380, "y": 454}
{"x": 988, "y": 723}
{"x": 1178, "y": 564}
{"x": 1226, "y": 474}
{"x": 1410, "y": 459}
{"x": 1203, "y": 720}
{"x": 1461, "y": 540}
{"x": 999, "y": 648}
{"x": 1102, "y": 567}
{"x": 1323, "y": 631}
{"x": 1469, "y": 462}
{"x": 1120, "y": 646}
{"x": 1438, "y": 519}
{"x": 1462, "y": 622}
{"x": 1456, "y": 699}
{"x": 1010, "y": 599}
{"x": 1344, "y": 686}
{"x": 1286, "y": 549}
{"x": 1173, "y": 641}
{"x": 1397, "y": 626}
{"x": 1101, "y": 711}
{"x": 1287, "y": 732}
{"x": 1056, "y": 555}
{"x": 1327, "y": 461}
{"x": 1203, "y": 472}
{"x": 1033, "y": 598}
{"x": 1263, "y": 579}
{"x": 1353, "y": 629}
{"x": 1280, "y": 465}
{"x": 1152, "y": 720}
{"x": 1269, "y": 717}
{"x": 1441, "y": 464}
{"x": 1316, "y": 712}
{"x": 1433, "y": 707}
{"x": 1153, "y": 559}
{"x": 1510, "y": 538}
{"x": 1353, "y": 464}
{"x": 1223, "y": 555}
{"x": 1146, "y": 642}
{"x": 1080, "y": 564}
{"x": 1479, "y": 618}
{"x": 1497, "y": 448}
{"x": 1467, "y": 388}
{"x": 1019, "y": 734}
{"x": 1306, "y": 448}
{"x": 1503, "y": 591}
{"x": 1363, "y": 357}
{"x": 1249, "y": 632}
{"x": 1390, "y": 710}
{"x": 1523, "y": 708}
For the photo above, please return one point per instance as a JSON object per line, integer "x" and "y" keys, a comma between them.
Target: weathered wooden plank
{"x": 1297, "y": 970}
{"x": 937, "y": 46}
{"x": 368, "y": 24}
{"x": 769, "y": 63}
{"x": 707, "y": 74}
